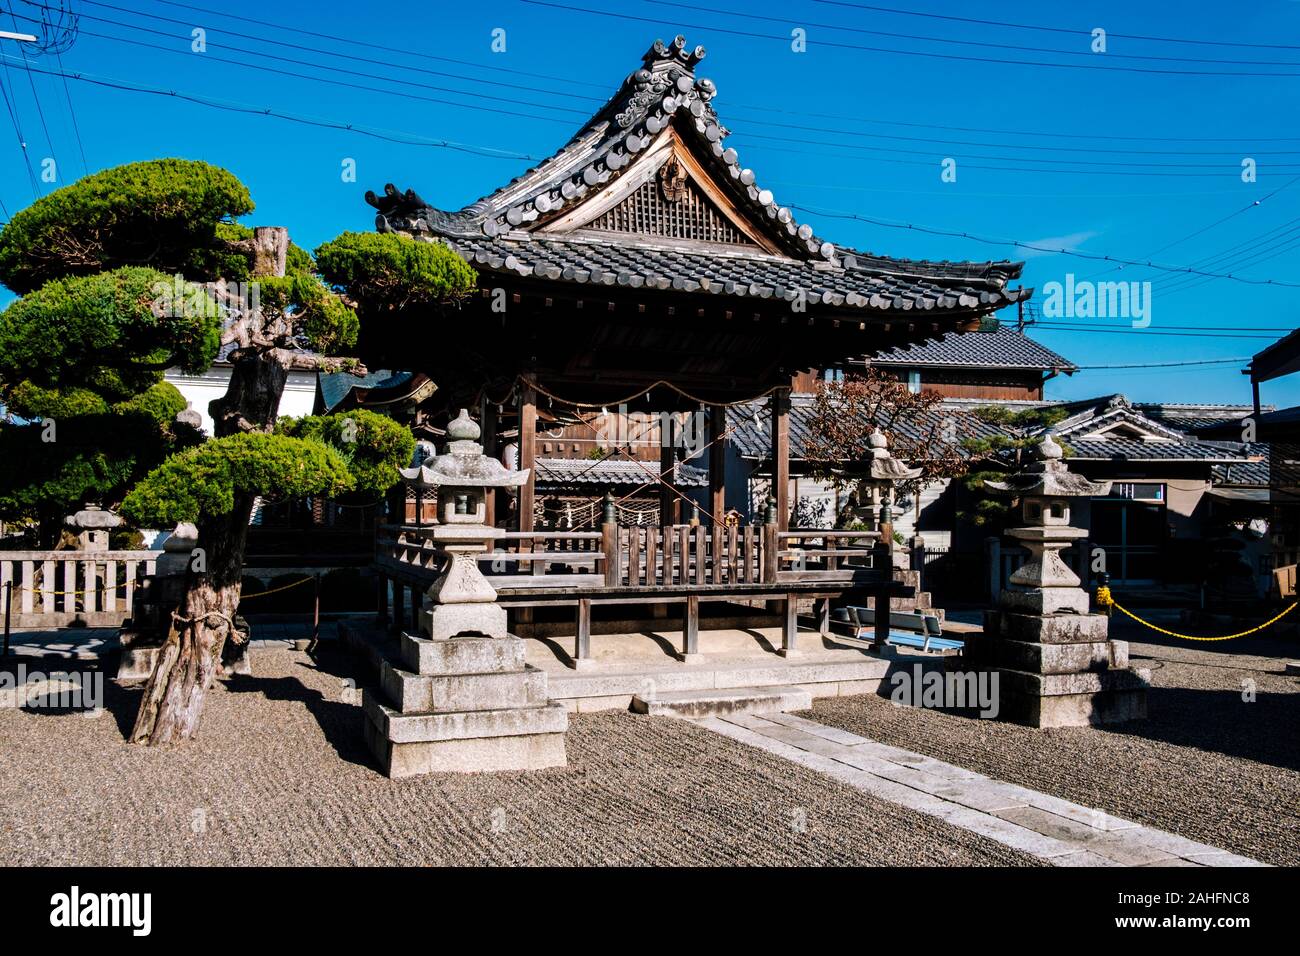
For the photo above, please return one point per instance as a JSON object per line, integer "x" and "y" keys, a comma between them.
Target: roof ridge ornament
{"x": 676, "y": 53}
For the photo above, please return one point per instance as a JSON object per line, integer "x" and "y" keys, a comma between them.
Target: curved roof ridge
{"x": 664, "y": 91}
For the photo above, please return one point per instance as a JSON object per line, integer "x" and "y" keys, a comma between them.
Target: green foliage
{"x": 990, "y": 513}
{"x": 328, "y": 324}
{"x": 167, "y": 213}
{"x": 94, "y": 457}
{"x": 202, "y": 482}
{"x": 103, "y": 335}
{"x": 392, "y": 271}
{"x": 373, "y": 446}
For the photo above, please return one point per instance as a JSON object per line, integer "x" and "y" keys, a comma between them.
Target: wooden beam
{"x": 668, "y": 502}
{"x": 488, "y": 423}
{"x": 527, "y": 451}
{"x": 780, "y": 405}
{"x": 717, "y": 464}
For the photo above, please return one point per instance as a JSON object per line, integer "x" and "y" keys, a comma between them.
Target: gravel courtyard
{"x": 1207, "y": 764}
{"x": 280, "y": 776}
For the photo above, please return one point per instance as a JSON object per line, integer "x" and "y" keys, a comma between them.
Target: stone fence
{"x": 46, "y": 589}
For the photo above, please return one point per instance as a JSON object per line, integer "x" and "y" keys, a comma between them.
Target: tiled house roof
{"x": 1112, "y": 429}
{"x": 752, "y": 424}
{"x": 614, "y": 471}
{"x": 1005, "y": 347}
{"x": 648, "y": 195}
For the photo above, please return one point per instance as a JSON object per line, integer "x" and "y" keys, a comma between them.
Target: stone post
{"x": 1055, "y": 662}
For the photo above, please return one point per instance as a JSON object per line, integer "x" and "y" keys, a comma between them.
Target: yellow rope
{"x": 285, "y": 587}
{"x": 1105, "y": 599}
{"x": 117, "y": 587}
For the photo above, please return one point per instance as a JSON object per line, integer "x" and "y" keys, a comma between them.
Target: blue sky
{"x": 1106, "y": 157}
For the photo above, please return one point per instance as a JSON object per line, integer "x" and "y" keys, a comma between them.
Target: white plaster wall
{"x": 299, "y": 396}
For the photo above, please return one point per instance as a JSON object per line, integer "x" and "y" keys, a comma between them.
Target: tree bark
{"x": 190, "y": 660}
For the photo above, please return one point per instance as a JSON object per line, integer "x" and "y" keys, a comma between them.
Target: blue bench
{"x": 928, "y": 639}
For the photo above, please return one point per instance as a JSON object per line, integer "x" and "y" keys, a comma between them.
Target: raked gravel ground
{"x": 1208, "y": 764}
{"x": 280, "y": 776}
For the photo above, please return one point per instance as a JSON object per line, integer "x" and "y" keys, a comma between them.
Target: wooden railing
{"x": 54, "y": 588}
{"x": 668, "y": 556}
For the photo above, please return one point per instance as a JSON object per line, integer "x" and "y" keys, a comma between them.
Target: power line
{"x": 22, "y": 141}
{"x": 1000, "y": 61}
{"x": 391, "y": 136}
{"x": 552, "y": 108}
{"x": 977, "y": 43}
{"x": 40, "y": 112}
{"x": 1037, "y": 248}
{"x": 72, "y": 112}
{"x": 766, "y": 109}
{"x": 1047, "y": 29}
{"x": 1054, "y": 327}
{"x": 1222, "y": 361}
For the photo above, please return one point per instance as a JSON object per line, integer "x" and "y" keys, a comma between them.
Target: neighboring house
{"x": 1003, "y": 364}
{"x": 1163, "y": 485}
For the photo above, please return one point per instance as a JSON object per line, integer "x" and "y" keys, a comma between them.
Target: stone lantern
{"x": 460, "y": 696}
{"x": 93, "y": 525}
{"x": 1055, "y": 662}
{"x": 463, "y": 601}
{"x": 885, "y": 473}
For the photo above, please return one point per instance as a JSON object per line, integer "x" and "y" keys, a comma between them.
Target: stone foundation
{"x": 463, "y": 704}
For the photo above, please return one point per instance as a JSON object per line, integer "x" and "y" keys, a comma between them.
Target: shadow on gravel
{"x": 1262, "y": 730}
{"x": 338, "y": 720}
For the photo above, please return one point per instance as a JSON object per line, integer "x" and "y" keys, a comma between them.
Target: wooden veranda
{"x": 670, "y": 565}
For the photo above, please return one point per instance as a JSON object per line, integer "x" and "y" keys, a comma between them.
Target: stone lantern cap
{"x": 463, "y": 464}
{"x": 1047, "y": 476}
{"x": 92, "y": 518}
{"x": 884, "y": 467}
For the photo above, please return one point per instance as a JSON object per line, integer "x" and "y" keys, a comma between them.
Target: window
{"x": 914, "y": 382}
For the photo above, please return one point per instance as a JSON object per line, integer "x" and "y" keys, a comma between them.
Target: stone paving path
{"x": 1055, "y": 830}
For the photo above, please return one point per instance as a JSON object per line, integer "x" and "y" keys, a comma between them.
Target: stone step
{"x": 717, "y": 702}
{"x": 412, "y": 693}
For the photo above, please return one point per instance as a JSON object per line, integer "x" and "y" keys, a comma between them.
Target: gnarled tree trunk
{"x": 190, "y": 660}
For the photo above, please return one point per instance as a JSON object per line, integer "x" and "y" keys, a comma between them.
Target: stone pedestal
{"x": 1056, "y": 664}
{"x": 463, "y": 704}
{"x": 460, "y": 697}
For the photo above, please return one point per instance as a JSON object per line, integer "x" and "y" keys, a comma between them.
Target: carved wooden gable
{"x": 670, "y": 206}
{"x": 667, "y": 194}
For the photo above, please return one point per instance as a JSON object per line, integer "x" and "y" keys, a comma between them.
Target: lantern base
{"x": 444, "y": 621}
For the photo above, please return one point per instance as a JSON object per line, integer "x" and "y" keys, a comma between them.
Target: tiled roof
{"x": 1006, "y": 347}
{"x": 614, "y": 471}
{"x": 1248, "y": 473}
{"x": 1191, "y": 417}
{"x": 1126, "y": 449}
{"x": 335, "y": 386}
{"x": 521, "y": 229}
{"x": 752, "y": 424}
{"x": 1167, "y": 443}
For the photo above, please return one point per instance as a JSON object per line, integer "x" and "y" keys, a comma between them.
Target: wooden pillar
{"x": 488, "y": 423}
{"x": 669, "y": 503}
{"x": 691, "y": 630}
{"x": 582, "y": 641}
{"x": 780, "y": 405}
{"x": 717, "y": 464}
{"x": 790, "y": 626}
{"x": 881, "y": 614}
{"x": 527, "y": 451}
